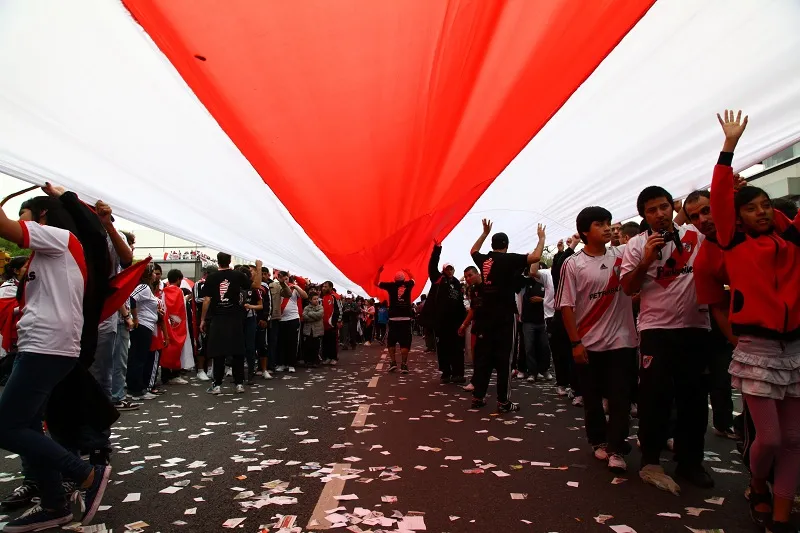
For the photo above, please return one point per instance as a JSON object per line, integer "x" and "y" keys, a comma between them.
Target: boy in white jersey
{"x": 674, "y": 333}
{"x": 598, "y": 318}
{"x": 49, "y": 346}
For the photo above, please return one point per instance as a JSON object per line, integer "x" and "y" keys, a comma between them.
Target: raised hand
{"x": 733, "y": 127}
{"x": 103, "y": 211}
{"x": 739, "y": 183}
{"x": 53, "y": 190}
{"x": 487, "y": 226}
{"x": 540, "y": 231}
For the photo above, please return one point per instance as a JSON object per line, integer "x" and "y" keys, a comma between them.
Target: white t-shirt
{"x": 546, "y": 279}
{"x": 146, "y": 306}
{"x": 52, "y": 303}
{"x": 603, "y": 312}
{"x": 290, "y": 311}
{"x": 668, "y": 296}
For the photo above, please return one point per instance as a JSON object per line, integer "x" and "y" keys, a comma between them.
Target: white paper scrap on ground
{"x": 192, "y": 510}
{"x": 132, "y": 497}
{"x": 231, "y": 523}
{"x": 170, "y": 490}
{"x": 500, "y": 473}
{"x": 572, "y": 483}
{"x": 622, "y": 528}
{"x": 670, "y": 515}
{"x": 519, "y": 496}
{"x": 719, "y": 500}
{"x": 602, "y": 518}
{"x": 413, "y": 523}
{"x": 346, "y": 497}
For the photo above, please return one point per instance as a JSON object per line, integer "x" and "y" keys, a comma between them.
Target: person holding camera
{"x": 674, "y": 332}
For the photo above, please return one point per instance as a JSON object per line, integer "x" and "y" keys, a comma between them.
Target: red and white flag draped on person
{"x": 175, "y": 316}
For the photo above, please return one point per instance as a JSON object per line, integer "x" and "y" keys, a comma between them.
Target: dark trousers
{"x": 250, "y": 326}
{"x": 430, "y": 339}
{"x": 674, "y": 362}
{"x": 566, "y": 376}
{"x": 262, "y": 342}
{"x": 607, "y": 372}
{"x": 450, "y": 351}
{"x": 273, "y": 334}
{"x": 720, "y": 386}
{"x": 139, "y": 357}
{"x": 330, "y": 345}
{"x": 237, "y": 367}
{"x": 22, "y": 404}
{"x": 493, "y": 351}
{"x": 311, "y": 349}
{"x": 288, "y": 341}
{"x": 537, "y": 347}
{"x": 380, "y": 332}
{"x": 368, "y": 333}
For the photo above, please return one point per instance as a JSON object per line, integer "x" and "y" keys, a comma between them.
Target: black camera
{"x": 667, "y": 235}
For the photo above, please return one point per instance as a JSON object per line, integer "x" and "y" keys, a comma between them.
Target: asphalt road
{"x": 288, "y": 429}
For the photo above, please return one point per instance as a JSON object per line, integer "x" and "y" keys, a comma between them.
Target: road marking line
{"x": 327, "y": 499}
{"x": 361, "y": 417}
{"x": 379, "y": 366}
{"x": 374, "y": 381}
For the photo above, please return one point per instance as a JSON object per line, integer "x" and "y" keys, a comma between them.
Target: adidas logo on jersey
{"x": 603, "y": 267}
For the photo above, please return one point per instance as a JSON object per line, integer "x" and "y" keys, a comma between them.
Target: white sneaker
{"x": 291, "y": 370}
{"x": 178, "y": 381}
{"x": 326, "y": 361}
{"x": 149, "y": 396}
{"x": 539, "y": 377}
{"x": 531, "y": 379}
{"x": 600, "y": 453}
{"x": 267, "y": 375}
{"x": 214, "y": 390}
{"x": 334, "y": 362}
{"x": 367, "y": 343}
{"x": 616, "y": 463}
{"x": 239, "y": 389}
{"x": 280, "y": 368}
{"x": 548, "y": 376}
{"x": 469, "y": 387}
{"x": 202, "y": 376}
{"x": 561, "y": 391}
{"x": 577, "y": 401}
{"x": 228, "y": 372}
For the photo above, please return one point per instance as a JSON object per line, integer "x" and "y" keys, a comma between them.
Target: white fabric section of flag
{"x": 646, "y": 116}
{"x": 87, "y": 101}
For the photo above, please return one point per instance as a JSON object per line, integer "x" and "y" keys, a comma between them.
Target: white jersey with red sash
{"x": 668, "y": 296}
{"x": 604, "y": 314}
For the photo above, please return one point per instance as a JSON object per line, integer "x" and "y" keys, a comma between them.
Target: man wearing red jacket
{"x": 331, "y": 319}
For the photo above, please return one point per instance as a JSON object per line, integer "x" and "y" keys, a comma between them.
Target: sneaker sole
{"x": 91, "y": 511}
{"x": 40, "y": 526}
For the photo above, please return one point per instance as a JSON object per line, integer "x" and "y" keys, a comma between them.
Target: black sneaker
{"x": 36, "y": 518}
{"x": 781, "y": 527}
{"x": 94, "y": 494}
{"x": 125, "y": 405}
{"x": 444, "y": 379}
{"x": 101, "y": 457}
{"x": 459, "y": 380}
{"x": 760, "y": 518}
{"x": 393, "y": 367}
{"x": 404, "y": 368}
{"x": 20, "y": 497}
{"x": 477, "y": 403}
{"x": 696, "y": 475}
{"x": 507, "y": 407}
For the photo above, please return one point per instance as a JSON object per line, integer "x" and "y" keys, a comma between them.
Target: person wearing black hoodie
{"x": 447, "y": 302}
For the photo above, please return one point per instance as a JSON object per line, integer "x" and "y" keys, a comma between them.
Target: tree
{"x": 12, "y": 249}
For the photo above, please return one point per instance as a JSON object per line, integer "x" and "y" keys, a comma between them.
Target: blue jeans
{"x": 120, "y": 370}
{"x": 103, "y": 365}
{"x": 22, "y": 405}
{"x": 537, "y": 347}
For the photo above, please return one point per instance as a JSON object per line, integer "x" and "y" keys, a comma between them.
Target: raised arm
{"x": 124, "y": 252}
{"x": 536, "y": 255}
{"x": 378, "y": 276}
{"x": 487, "y": 228}
{"x": 722, "y": 183}
{"x": 433, "y": 262}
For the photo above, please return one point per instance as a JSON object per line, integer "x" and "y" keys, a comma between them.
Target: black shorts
{"x": 399, "y": 333}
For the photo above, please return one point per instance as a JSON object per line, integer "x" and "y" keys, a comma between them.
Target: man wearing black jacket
{"x": 448, "y": 314}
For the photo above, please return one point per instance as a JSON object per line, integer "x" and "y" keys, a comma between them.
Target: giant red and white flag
{"x": 334, "y": 136}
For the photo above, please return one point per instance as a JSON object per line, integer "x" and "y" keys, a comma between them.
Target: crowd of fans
{"x": 642, "y": 320}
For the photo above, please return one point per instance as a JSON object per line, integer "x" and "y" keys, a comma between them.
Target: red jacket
{"x": 330, "y": 308}
{"x": 764, "y": 270}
